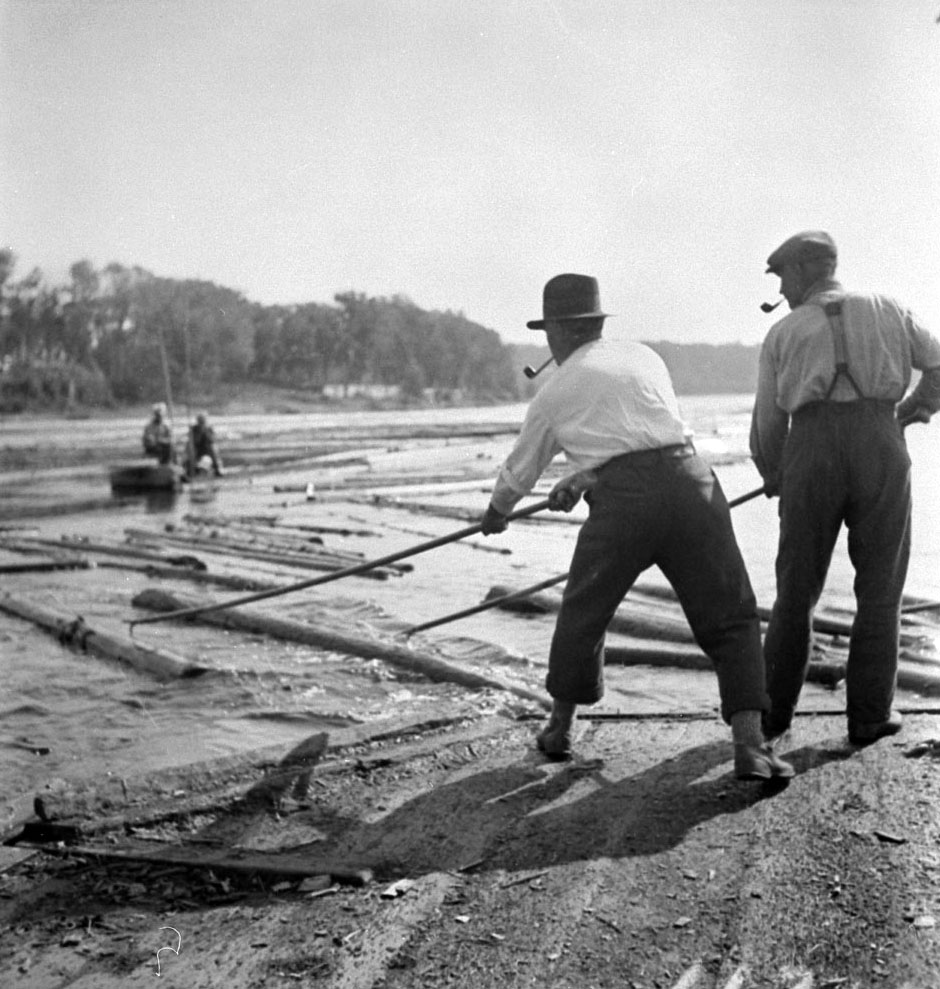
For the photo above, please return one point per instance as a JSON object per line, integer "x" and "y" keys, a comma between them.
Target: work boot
{"x": 555, "y": 738}
{"x": 866, "y": 732}
{"x": 760, "y": 763}
{"x": 754, "y": 759}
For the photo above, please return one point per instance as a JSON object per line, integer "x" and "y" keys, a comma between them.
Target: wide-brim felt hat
{"x": 569, "y": 297}
{"x": 808, "y": 245}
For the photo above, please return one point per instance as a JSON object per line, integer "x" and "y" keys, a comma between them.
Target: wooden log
{"x": 88, "y": 807}
{"x": 274, "y": 522}
{"x": 450, "y": 512}
{"x": 35, "y": 545}
{"x": 234, "y": 582}
{"x": 34, "y": 510}
{"x": 917, "y": 679}
{"x": 651, "y": 620}
{"x": 268, "y": 535}
{"x": 61, "y": 800}
{"x": 332, "y": 639}
{"x": 41, "y": 566}
{"x": 74, "y": 633}
{"x": 455, "y": 480}
{"x": 223, "y": 547}
{"x": 334, "y": 530}
{"x": 269, "y": 539}
{"x": 823, "y": 672}
{"x": 643, "y": 621}
{"x": 272, "y": 865}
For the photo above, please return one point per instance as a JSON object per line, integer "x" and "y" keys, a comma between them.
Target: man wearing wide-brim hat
{"x": 611, "y": 408}
{"x": 827, "y": 435}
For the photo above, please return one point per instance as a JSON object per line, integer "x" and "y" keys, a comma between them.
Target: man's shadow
{"x": 525, "y": 816}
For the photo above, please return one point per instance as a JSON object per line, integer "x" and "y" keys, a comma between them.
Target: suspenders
{"x": 833, "y": 311}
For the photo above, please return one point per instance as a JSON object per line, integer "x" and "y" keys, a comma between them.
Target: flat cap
{"x": 808, "y": 245}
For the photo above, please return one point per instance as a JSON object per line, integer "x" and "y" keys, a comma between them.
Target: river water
{"x": 67, "y": 714}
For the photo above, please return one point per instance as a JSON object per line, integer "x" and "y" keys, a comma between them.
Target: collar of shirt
{"x": 820, "y": 287}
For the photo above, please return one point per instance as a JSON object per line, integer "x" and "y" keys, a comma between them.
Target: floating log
{"x": 34, "y": 510}
{"x": 37, "y": 545}
{"x": 643, "y": 621}
{"x": 239, "y": 532}
{"x": 224, "y": 547}
{"x": 274, "y": 521}
{"x": 321, "y": 637}
{"x": 41, "y": 566}
{"x": 823, "y": 672}
{"x": 259, "y": 530}
{"x": 912, "y": 676}
{"x": 450, "y": 512}
{"x": 456, "y": 480}
{"x": 234, "y": 582}
{"x": 74, "y": 633}
{"x": 649, "y": 620}
{"x": 213, "y": 539}
{"x": 267, "y": 539}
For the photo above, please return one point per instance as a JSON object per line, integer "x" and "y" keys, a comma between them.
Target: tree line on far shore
{"x": 122, "y": 336}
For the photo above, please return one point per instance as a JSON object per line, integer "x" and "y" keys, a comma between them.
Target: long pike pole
{"x": 527, "y": 591}
{"x": 486, "y": 605}
{"x": 471, "y": 530}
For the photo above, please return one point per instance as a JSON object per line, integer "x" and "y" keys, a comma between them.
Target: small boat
{"x": 145, "y": 476}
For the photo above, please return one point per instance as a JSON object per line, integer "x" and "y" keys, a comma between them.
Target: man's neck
{"x": 573, "y": 346}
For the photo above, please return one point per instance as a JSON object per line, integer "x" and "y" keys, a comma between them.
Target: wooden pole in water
{"x": 470, "y": 530}
{"x": 486, "y": 605}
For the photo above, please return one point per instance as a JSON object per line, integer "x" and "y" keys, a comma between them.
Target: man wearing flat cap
{"x": 611, "y": 408}
{"x": 827, "y": 435}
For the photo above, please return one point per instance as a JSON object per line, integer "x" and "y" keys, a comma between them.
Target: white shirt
{"x": 606, "y": 399}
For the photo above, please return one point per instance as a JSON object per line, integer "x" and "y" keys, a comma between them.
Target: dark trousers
{"x": 843, "y": 463}
{"x": 662, "y": 507}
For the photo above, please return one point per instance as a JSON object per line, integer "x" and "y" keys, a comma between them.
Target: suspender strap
{"x": 833, "y": 311}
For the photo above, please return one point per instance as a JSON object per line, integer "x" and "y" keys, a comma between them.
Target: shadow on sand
{"x": 536, "y": 814}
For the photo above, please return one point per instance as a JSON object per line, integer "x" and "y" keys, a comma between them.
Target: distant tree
{"x": 7, "y": 264}
{"x": 358, "y": 326}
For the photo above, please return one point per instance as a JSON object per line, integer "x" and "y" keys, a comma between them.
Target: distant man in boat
{"x": 827, "y": 435}
{"x": 158, "y": 436}
{"x": 201, "y": 446}
{"x": 611, "y": 408}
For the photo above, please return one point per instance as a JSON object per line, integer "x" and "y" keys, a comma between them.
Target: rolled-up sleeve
{"x": 925, "y": 356}
{"x": 769, "y": 423}
{"x": 533, "y": 451}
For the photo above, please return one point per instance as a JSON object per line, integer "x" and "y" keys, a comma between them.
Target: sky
{"x": 461, "y": 152}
